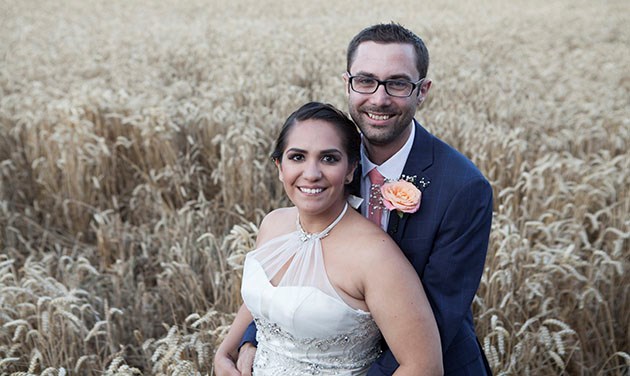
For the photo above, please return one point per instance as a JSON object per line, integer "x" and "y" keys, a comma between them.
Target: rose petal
{"x": 401, "y": 195}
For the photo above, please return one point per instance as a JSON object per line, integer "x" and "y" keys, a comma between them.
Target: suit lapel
{"x": 355, "y": 184}
{"x": 354, "y": 188}
{"x": 420, "y": 158}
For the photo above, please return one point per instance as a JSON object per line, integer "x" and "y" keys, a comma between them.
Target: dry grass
{"x": 133, "y": 169}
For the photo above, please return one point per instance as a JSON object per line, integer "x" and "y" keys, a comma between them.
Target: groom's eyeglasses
{"x": 396, "y": 88}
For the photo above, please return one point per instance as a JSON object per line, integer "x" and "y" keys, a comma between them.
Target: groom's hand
{"x": 245, "y": 360}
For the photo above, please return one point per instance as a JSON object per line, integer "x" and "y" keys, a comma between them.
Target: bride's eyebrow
{"x": 295, "y": 150}
{"x": 325, "y": 151}
{"x": 330, "y": 151}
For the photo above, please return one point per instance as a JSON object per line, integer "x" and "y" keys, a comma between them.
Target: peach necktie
{"x": 375, "y": 209}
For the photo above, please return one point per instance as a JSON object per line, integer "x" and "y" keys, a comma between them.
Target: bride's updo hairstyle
{"x": 351, "y": 139}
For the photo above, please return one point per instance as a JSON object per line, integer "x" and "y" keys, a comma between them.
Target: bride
{"x": 324, "y": 283}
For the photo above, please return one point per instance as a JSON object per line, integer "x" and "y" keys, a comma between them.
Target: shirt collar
{"x": 392, "y": 168}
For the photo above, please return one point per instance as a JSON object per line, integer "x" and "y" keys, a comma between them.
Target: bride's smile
{"x": 311, "y": 191}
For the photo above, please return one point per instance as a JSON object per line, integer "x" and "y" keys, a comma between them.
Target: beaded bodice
{"x": 304, "y": 326}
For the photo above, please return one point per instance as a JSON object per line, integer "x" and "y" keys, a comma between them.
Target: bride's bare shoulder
{"x": 362, "y": 233}
{"x": 277, "y": 222}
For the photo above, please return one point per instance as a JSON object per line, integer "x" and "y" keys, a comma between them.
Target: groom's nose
{"x": 380, "y": 96}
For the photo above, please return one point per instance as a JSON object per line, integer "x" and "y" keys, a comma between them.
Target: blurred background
{"x": 134, "y": 169}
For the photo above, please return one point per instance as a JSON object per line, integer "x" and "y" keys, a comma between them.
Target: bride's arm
{"x": 227, "y": 353}
{"x": 399, "y": 305}
{"x": 227, "y": 357}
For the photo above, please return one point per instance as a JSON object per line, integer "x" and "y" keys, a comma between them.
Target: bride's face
{"x": 314, "y": 167}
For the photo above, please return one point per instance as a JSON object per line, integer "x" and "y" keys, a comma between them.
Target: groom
{"x": 446, "y": 239}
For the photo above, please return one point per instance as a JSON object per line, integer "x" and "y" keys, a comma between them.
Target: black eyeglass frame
{"x": 414, "y": 85}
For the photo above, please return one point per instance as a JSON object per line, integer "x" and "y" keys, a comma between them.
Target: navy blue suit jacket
{"x": 446, "y": 241}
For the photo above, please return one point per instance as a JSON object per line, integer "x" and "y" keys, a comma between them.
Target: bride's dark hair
{"x": 351, "y": 139}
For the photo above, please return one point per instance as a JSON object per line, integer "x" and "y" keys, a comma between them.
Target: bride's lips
{"x": 311, "y": 190}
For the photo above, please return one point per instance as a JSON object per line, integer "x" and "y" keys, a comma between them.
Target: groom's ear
{"x": 423, "y": 91}
{"x": 346, "y": 82}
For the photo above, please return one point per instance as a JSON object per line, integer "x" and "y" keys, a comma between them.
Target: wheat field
{"x": 134, "y": 169}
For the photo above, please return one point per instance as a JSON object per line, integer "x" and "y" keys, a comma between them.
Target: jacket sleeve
{"x": 249, "y": 336}
{"x": 453, "y": 272}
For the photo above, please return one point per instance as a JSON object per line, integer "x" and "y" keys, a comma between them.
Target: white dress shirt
{"x": 391, "y": 169}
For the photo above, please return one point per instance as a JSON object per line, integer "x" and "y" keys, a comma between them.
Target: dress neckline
{"x": 306, "y": 236}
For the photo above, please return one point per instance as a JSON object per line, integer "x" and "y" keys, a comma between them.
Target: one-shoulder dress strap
{"x": 305, "y": 236}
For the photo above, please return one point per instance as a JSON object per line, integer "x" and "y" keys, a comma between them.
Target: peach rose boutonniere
{"x": 402, "y": 196}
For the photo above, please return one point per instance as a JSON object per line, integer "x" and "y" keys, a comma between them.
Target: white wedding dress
{"x": 304, "y": 326}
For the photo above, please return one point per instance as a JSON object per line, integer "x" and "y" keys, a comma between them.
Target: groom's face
{"x": 384, "y": 120}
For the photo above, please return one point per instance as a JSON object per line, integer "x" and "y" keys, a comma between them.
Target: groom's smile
{"x": 378, "y": 117}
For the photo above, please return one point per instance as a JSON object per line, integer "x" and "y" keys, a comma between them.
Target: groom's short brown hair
{"x": 390, "y": 33}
